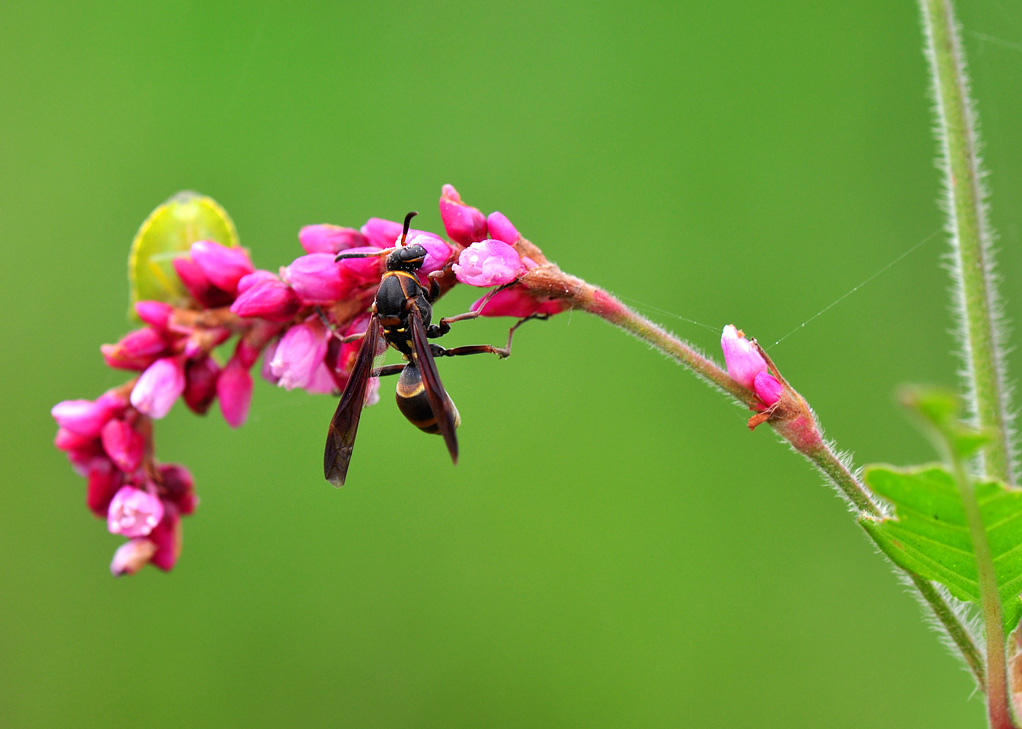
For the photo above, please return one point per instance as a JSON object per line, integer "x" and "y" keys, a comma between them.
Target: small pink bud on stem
{"x": 317, "y": 279}
{"x": 464, "y": 224}
{"x": 382, "y": 233}
{"x": 437, "y": 251}
{"x": 124, "y": 444}
{"x": 83, "y": 417}
{"x": 222, "y": 266}
{"x": 234, "y": 390}
{"x": 299, "y": 354}
{"x": 331, "y": 239}
{"x": 264, "y": 296}
{"x": 132, "y": 556}
{"x": 154, "y": 313}
{"x": 198, "y": 285}
{"x": 159, "y": 387}
{"x": 500, "y": 228}
{"x": 200, "y": 384}
{"x": 136, "y": 350}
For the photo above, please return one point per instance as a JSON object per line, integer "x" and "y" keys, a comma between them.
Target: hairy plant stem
{"x": 998, "y": 704}
{"x": 791, "y": 417}
{"x": 976, "y": 299}
{"x": 971, "y": 237}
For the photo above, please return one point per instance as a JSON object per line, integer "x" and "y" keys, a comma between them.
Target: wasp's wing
{"x": 340, "y": 439}
{"x": 443, "y": 409}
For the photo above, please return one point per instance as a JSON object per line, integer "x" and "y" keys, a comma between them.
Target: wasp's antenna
{"x": 408, "y": 222}
{"x": 374, "y": 254}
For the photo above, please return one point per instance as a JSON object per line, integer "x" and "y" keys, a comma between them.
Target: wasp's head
{"x": 406, "y": 258}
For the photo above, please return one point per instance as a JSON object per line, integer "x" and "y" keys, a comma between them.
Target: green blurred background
{"x": 615, "y": 548}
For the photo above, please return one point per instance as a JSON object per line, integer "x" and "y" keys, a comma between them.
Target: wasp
{"x": 402, "y": 315}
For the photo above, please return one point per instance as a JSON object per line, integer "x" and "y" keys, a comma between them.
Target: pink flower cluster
{"x": 294, "y": 319}
{"x": 748, "y": 368}
{"x": 109, "y": 442}
{"x": 491, "y": 259}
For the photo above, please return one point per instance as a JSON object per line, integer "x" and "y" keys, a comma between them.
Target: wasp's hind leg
{"x": 501, "y": 352}
{"x": 438, "y": 330}
{"x": 391, "y": 369}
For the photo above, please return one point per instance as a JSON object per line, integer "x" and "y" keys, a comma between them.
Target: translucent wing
{"x": 340, "y": 439}
{"x": 441, "y": 405}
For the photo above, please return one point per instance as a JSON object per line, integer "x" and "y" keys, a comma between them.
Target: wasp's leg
{"x": 391, "y": 369}
{"x": 501, "y": 352}
{"x": 434, "y": 291}
{"x": 350, "y": 337}
{"x": 438, "y": 330}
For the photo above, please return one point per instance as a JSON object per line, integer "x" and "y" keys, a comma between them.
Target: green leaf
{"x": 941, "y": 410}
{"x": 929, "y": 536}
{"x": 169, "y": 230}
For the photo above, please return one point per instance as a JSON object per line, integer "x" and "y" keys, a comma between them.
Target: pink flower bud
{"x": 136, "y": 350}
{"x": 104, "y": 481}
{"x": 178, "y": 486}
{"x": 198, "y": 285}
{"x": 767, "y": 388}
{"x": 158, "y": 387}
{"x": 234, "y": 390}
{"x": 83, "y": 417}
{"x": 742, "y": 359}
{"x": 382, "y": 233}
{"x": 500, "y": 228}
{"x": 133, "y": 512}
{"x": 331, "y": 238}
{"x": 115, "y": 400}
{"x": 299, "y": 353}
{"x": 123, "y": 444}
{"x": 518, "y": 302}
{"x": 488, "y": 263}
{"x": 322, "y": 381}
{"x": 167, "y": 538}
{"x": 437, "y": 251}
{"x": 200, "y": 384}
{"x": 191, "y": 275}
{"x": 222, "y": 266}
{"x": 363, "y": 271}
{"x": 318, "y": 280}
{"x": 155, "y": 313}
{"x": 464, "y": 224}
{"x": 69, "y": 441}
{"x": 272, "y": 300}
{"x": 132, "y": 556}
{"x": 256, "y": 277}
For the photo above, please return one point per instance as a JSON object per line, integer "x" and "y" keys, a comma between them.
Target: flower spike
{"x": 305, "y": 323}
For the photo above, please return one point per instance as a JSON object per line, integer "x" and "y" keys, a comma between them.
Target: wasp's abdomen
{"x": 413, "y": 402}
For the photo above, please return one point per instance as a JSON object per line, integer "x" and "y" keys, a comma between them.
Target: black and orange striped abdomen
{"x": 413, "y": 402}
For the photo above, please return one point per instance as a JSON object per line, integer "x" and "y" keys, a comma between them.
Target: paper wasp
{"x": 402, "y": 314}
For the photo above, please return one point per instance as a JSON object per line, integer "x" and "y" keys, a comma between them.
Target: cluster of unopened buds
{"x": 295, "y": 320}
